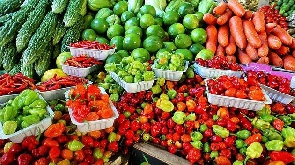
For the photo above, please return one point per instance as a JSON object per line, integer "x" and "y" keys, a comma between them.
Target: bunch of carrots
{"x": 245, "y": 36}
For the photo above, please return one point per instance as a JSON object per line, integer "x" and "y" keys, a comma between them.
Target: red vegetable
{"x": 284, "y": 156}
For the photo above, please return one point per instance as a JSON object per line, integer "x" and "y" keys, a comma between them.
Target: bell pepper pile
{"x": 91, "y": 45}
{"x": 169, "y": 61}
{"x": 82, "y": 61}
{"x": 88, "y": 103}
{"x": 13, "y": 84}
{"x": 60, "y": 82}
{"x": 26, "y": 109}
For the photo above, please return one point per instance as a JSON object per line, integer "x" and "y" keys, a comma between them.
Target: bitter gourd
{"x": 27, "y": 70}
{"x": 9, "y": 57}
{"x": 31, "y": 25}
{"x": 8, "y": 6}
{"x": 72, "y": 34}
{"x": 40, "y": 39}
{"x": 60, "y": 31}
{"x": 72, "y": 13}
{"x": 6, "y": 18}
{"x": 15, "y": 69}
{"x": 42, "y": 64}
{"x": 58, "y": 6}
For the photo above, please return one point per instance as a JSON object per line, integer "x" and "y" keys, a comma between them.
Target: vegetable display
{"x": 82, "y": 61}
{"x": 219, "y": 62}
{"x": 91, "y": 45}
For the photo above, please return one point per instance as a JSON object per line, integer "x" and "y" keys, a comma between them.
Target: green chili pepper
{"x": 160, "y": 81}
{"x": 18, "y": 102}
{"x": 53, "y": 102}
{"x": 39, "y": 103}
{"x": 203, "y": 128}
{"x": 274, "y": 145}
{"x": 286, "y": 119}
{"x": 243, "y": 150}
{"x": 196, "y": 136}
{"x": 197, "y": 144}
{"x": 292, "y": 116}
{"x": 156, "y": 89}
{"x": 114, "y": 97}
{"x": 38, "y": 111}
{"x": 31, "y": 119}
{"x": 220, "y": 131}
{"x": 9, "y": 112}
{"x": 214, "y": 154}
{"x": 9, "y": 127}
{"x": 19, "y": 120}
{"x": 190, "y": 117}
{"x": 263, "y": 111}
{"x": 31, "y": 97}
{"x": 206, "y": 147}
{"x": 215, "y": 117}
{"x": 2, "y": 115}
{"x": 254, "y": 150}
{"x": 288, "y": 131}
{"x": 171, "y": 93}
{"x": 25, "y": 124}
{"x": 271, "y": 134}
{"x": 290, "y": 141}
{"x": 75, "y": 145}
{"x": 237, "y": 162}
{"x": 260, "y": 124}
{"x": 178, "y": 117}
{"x": 26, "y": 110}
{"x": 243, "y": 134}
{"x": 264, "y": 139}
{"x": 240, "y": 143}
{"x": 267, "y": 117}
{"x": 97, "y": 153}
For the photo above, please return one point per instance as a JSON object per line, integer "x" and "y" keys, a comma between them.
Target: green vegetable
{"x": 156, "y": 89}
{"x": 271, "y": 134}
{"x": 6, "y": 18}
{"x": 220, "y": 131}
{"x": 206, "y": 147}
{"x": 26, "y": 110}
{"x": 18, "y": 101}
{"x": 148, "y": 75}
{"x": 110, "y": 67}
{"x": 172, "y": 93}
{"x": 9, "y": 57}
{"x": 243, "y": 151}
{"x": 95, "y": 5}
{"x": 205, "y": 6}
{"x": 31, "y": 97}
{"x": 27, "y": 70}
{"x": 196, "y": 136}
{"x": 263, "y": 111}
{"x": 38, "y": 111}
{"x": 237, "y": 162}
{"x": 260, "y": 124}
{"x": 214, "y": 154}
{"x": 104, "y": 13}
{"x": 9, "y": 6}
{"x": 72, "y": 14}
{"x": 31, "y": 25}
{"x": 254, "y": 150}
{"x": 60, "y": 31}
{"x": 9, "y": 127}
{"x": 58, "y": 6}
{"x": 15, "y": 69}
{"x": 128, "y": 79}
{"x": 274, "y": 145}
{"x": 75, "y": 145}
{"x": 159, "y": 6}
{"x": 29, "y": 120}
{"x": 114, "y": 97}
{"x": 243, "y": 134}
{"x": 168, "y": 106}
{"x": 240, "y": 144}
{"x": 190, "y": 117}
{"x": 190, "y": 73}
{"x": 97, "y": 153}
{"x": 9, "y": 112}
{"x": 197, "y": 144}
{"x": 178, "y": 117}
{"x": 203, "y": 128}
{"x": 113, "y": 19}
{"x": 267, "y": 117}
{"x": 286, "y": 119}
{"x": 288, "y": 131}
{"x": 174, "y": 5}
{"x": 290, "y": 141}
{"x": 134, "y": 5}
{"x": 43, "y": 64}
{"x": 83, "y": 10}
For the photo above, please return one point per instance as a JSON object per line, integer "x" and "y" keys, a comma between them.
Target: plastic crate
{"x": 5, "y": 98}
{"x": 169, "y": 74}
{"x": 96, "y": 53}
{"x": 33, "y": 129}
{"x": 277, "y": 96}
{"x": 55, "y": 94}
{"x": 132, "y": 87}
{"x": 206, "y": 72}
{"x": 237, "y": 102}
{"x": 79, "y": 72}
{"x": 98, "y": 124}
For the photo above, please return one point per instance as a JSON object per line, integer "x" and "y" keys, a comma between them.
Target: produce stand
{"x": 147, "y": 82}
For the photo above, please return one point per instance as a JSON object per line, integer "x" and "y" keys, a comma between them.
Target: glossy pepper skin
{"x": 243, "y": 134}
{"x": 240, "y": 144}
{"x": 284, "y": 156}
{"x": 267, "y": 117}
{"x": 24, "y": 159}
{"x": 286, "y": 119}
{"x": 19, "y": 101}
{"x": 9, "y": 127}
{"x": 75, "y": 145}
{"x": 171, "y": 93}
{"x": 220, "y": 131}
{"x": 196, "y": 136}
{"x": 290, "y": 141}
{"x": 271, "y": 134}
{"x": 288, "y": 131}
{"x": 274, "y": 145}
{"x": 37, "y": 111}
{"x": 260, "y": 124}
{"x": 31, "y": 142}
{"x": 39, "y": 103}
{"x": 31, "y": 97}
{"x": 254, "y": 150}
{"x": 55, "y": 130}
{"x": 29, "y": 120}
{"x": 8, "y": 113}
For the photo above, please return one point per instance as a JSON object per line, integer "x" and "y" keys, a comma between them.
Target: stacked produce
{"x": 285, "y": 7}
{"x": 272, "y": 15}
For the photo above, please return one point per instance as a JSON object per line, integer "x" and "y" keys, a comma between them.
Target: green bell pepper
{"x": 25, "y": 124}
{"x": 240, "y": 144}
{"x": 2, "y": 115}
{"x": 271, "y": 134}
{"x": 38, "y": 111}
{"x": 206, "y": 147}
{"x": 197, "y": 144}
{"x": 288, "y": 131}
{"x": 196, "y": 136}
{"x": 260, "y": 124}
{"x": 274, "y": 145}
{"x": 171, "y": 93}
{"x": 267, "y": 117}
{"x": 148, "y": 75}
{"x": 290, "y": 141}
{"x": 254, "y": 150}
{"x": 9, "y": 112}
{"x": 292, "y": 116}
{"x": 75, "y": 145}
{"x": 31, "y": 119}
{"x": 39, "y": 103}
{"x": 243, "y": 134}
{"x": 9, "y": 127}
{"x": 220, "y": 131}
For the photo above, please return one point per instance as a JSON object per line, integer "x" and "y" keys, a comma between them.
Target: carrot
{"x": 248, "y": 15}
{"x": 223, "y": 19}
{"x": 251, "y": 34}
{"x": 293, "y": 44}
{"x": 220, "y": 8}
{"x": 243, "y": 57}
{"x": 258, "y": 20}
{"x": 269, "y": 27}
{"x": 289, "y": 62}
{"x": 275, "y": 59}
{"x": 231, "y": 47}
{"x": 273, "y": 42}
{"x": 263, "y": 50}
{"x": 283, "y": 35}
{"x": 223, "y": 35}
{"x": 236, "y": 7}
{"x": 263, "y": 60}
{"x": 232, "y": 59}
{"x": 283, "y": 50}
{"x": 236, "y": 29}
{"x": 211, "y": 42}
{"x": 220, "y": 51}
{"x": 209, "y": 19}
{"x": 252, "y": 52}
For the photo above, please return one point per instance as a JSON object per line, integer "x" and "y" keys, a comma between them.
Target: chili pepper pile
{"x": 60, "y": 82}
{"x": 272, "y": 15}
{"x": 82, "y": 61}
{"x": 91, "y": 45}
{"x": 15, "y": 84}
{"x": 218, "y": 62}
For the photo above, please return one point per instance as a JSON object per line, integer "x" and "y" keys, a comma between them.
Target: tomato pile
{"x": 219, "y": 62}
{"x": 91, "y": 45}
{"x": 272, "y": 15}
{"x": 82, "y": 61}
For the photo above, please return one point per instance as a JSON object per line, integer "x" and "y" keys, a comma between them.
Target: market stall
{"x": 147, "y": 82}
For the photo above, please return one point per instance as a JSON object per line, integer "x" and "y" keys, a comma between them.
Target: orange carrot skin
{"x": 252, "y": 52}
{"x": 231, "y": 59}
{"x": 220, "y": 51}
{"x": 220, "y": 8}
{"x": 236, "y": 29}
{"x": 263, "y": 60}
{"x": 258, "y": 20}
{"x": 283, "y": 35}
{"x": 248, "y": 15}
{"x": 223, "y": 19}
{"x": 263, "y": 50}
{"x": 231, "y": 47}
{"x": 289, "y": 62}
{"x": 209, "y": 19}
{"x": 283, "y": 50}
{"x": 273, "y": 42}
{"x": 211, "y": 42}
{"x": 223, "y": 35}
{"x": 275, "y": 59}
{"x": 251, "y": 34}
{"x": 243, "y": 57}
{"x": 236, "y": 7}
{"x": 269, "y": 27}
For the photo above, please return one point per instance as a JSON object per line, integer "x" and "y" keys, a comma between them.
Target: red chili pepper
{"x": 284, "y": 156}
{"x": 49, "y": 142}
{"x": 31, "y": 142}
{"x": 278, "y": 124}
{"x": 253, "y": 138}
{"x": 54, "y": 130}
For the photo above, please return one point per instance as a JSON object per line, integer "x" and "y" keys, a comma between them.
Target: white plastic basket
{"x": 55, "y": 94}
{"x": 237, "y": 102}
{"x": 79, "y": 72}
{"x": 169, "y": 74}
{"x": 132, "y": 87}
{"x": 96, "y": 53}
{"x": 5, "y": 98}
{"x": 277, "y": 96}
{"x": 33, "y": 129}
{"x": 206, "y": 72}
{"x": 98, "y": 124}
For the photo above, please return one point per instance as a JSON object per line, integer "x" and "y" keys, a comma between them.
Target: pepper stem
{"x": 39, "y": 134}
